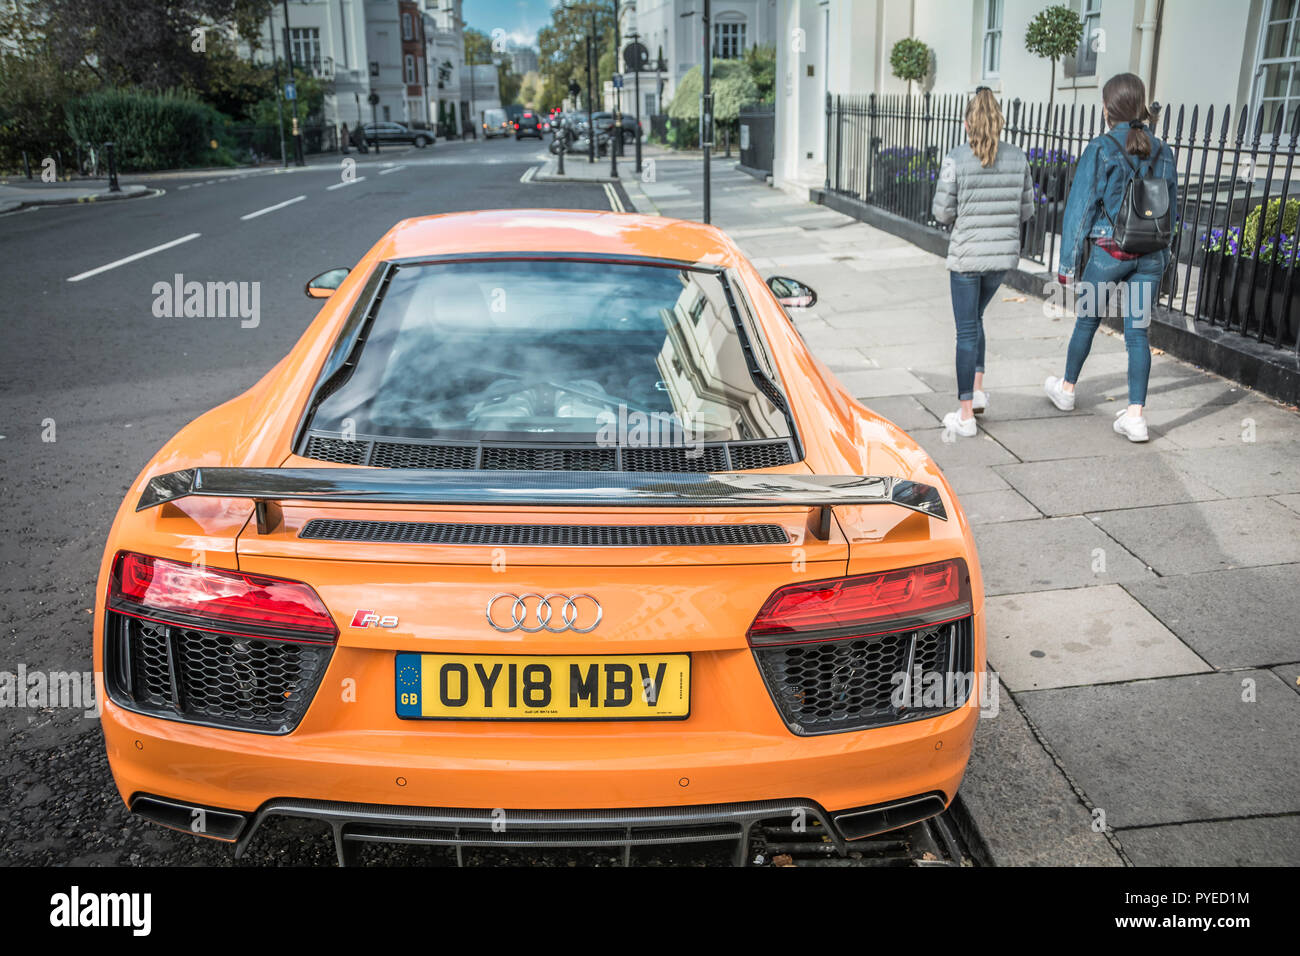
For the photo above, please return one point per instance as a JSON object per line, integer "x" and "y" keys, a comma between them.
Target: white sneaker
{"x": 1060, "y": 397}
{"x": 1134, "y": 429}
{"x": 979, "y": 401}
{"x": 965, "y": 427}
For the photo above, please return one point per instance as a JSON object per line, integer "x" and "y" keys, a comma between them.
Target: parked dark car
{"x": 397, "y": 133}
{"x": 528, "y": 124}
{"x": 605, "y": 123}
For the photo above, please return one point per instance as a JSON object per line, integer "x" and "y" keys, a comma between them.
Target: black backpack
{"x": 1145, "y": 221}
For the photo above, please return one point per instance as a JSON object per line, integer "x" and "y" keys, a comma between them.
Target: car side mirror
{"x": 323, "y": 285}
{"x": 792, "y": 293}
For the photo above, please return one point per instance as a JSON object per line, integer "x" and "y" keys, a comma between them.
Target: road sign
{"x": 373, "y": 99}
{"x": 618, "y": 81}
{"x": 290, "y": 90}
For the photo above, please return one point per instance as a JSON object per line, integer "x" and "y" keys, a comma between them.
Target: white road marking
{"x": 138, "y": 255}
{"x": 359, "y": 179}
{"x": 279, "y": 205}
{"x": 528, "y": 175}
{"x": 391, "y": 169}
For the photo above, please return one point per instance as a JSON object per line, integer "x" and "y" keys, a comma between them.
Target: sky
{"x": 520, "y": 19}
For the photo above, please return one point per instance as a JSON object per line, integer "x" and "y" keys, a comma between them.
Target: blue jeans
{"x": 971, "y": 293}
{"x": 1133, "y": 286}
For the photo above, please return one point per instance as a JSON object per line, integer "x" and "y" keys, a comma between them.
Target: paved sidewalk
{"x": 1143, "y": 600}
{"x": 19, "y": 193}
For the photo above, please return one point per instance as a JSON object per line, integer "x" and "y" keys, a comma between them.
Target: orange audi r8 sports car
{"x": 550, "y": 530}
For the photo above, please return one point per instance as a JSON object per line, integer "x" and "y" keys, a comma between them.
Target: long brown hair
{"x": 1125, "y": 99}
{"x": 984, "y": 125}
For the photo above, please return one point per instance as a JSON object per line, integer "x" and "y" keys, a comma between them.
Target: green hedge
{"x": 150, "y": 130}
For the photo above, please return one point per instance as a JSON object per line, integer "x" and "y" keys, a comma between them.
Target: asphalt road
{"x": 87, "y": 364}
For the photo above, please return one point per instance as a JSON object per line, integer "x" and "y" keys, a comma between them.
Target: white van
{"x": 495, "y": 123}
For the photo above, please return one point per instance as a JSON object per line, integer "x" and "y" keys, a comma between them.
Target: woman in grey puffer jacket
{"x": 986, "y": 191}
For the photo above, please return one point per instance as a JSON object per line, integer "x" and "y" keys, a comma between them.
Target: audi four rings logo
{"x": 531, "y": 613}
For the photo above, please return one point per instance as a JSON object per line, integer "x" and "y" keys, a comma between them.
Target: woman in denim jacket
{"x": 1101, "y": 178}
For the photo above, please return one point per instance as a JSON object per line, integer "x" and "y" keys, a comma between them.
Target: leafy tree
{"x": 563, "y": 50}
{"x": 910, "y": 60}
{"x": 733, "y": 87}
{"x": 1052, "y": 34}
{"x": 761, "y": 61}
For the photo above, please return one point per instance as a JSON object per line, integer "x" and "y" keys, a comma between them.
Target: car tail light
{"x": 864, "y": 604}
{"x": 222, "y": 601}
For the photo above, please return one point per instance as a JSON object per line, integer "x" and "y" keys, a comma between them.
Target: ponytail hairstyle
{"x": 984, "y": 125}
{"x": 1125, "y": 99}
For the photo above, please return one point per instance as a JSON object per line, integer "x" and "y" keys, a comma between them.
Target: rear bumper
{"x": 644, "y": 765}
{"x": 353, "y": 824}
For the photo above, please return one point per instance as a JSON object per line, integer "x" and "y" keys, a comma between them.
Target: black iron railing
{"x": 1236, "y": 240}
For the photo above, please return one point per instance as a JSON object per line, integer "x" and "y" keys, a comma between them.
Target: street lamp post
{"x": 706, "y": 114}
{"x": 279, "y": 108}
{"x": 616, "y": 144}
{"x": 591, "y": 125}
{"x": 636, "y": 103}
{"x": 288, "y": 55}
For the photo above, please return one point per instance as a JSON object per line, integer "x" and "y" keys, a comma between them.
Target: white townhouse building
{"x": 1192, "y": 52}
{"x": 673, "y": 29}
{"x": 359, "y": 46}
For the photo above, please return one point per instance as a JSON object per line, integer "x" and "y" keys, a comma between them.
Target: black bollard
{"x": 113, "y": 187}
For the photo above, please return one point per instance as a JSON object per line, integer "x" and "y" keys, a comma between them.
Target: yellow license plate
{"x": 520, "y": 687}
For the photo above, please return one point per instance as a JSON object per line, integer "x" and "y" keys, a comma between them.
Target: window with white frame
{"x": 1085, "y": 60}
{"x": 408, "y": 27}
{"x": 306, "y": 47}
{"x": 1277, "y": 66}
{"x": 729, "y": 39}
{"x": 409, "y": 74}
{"x": 992, "y": 58}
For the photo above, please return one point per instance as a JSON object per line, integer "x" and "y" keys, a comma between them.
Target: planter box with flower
{"x": 1244, "y": 280}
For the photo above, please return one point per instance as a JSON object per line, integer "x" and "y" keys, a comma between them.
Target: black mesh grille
{"x": 398, "y": 455}
{"x": 549, "y": 459}
{"x": 336, "y": 449}
{"x": 707, "y": 458}
{"x": 244, "y": 683}
{"x": 852, "y": 684}
{"x": 768, "y": 454}
{"x": 558, "y": 536}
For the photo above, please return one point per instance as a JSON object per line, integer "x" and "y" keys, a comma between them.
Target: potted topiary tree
{"x": 910, "y": 61}
{"x": 1054, "y": 33}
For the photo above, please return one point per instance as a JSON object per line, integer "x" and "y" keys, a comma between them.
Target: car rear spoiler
{"x": 577, "y": 489}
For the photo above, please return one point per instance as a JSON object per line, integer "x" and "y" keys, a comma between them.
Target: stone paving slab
{"x": 1210, "y": 426}
{"x": 1081, "y": 485}
{"x": 904, "y": 411}
{"x": 1081, "y": 636}
{"x": 1070, "y": 435}
{"x": 1242, "y": 618}
{"x": 1290, "y": 674}
{"x": 870, "y": 383}
{"x": 1177, "y": 749}
{"x": 980, "y": 450}
{"x": 1245, "y": 470}
{"x": 1027, "y": 812}
{"x": 988, "y": 507}
{"x": 1052, "y": 554}
{"x": 1263, "y": 841}
{"x": 943, "y": 378}
{"x": 1291, "y": 501}
{"x": 1208, "y": 535}
{"x": 972, "y": 479}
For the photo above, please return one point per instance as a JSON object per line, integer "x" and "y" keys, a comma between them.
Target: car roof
{"x": 561, "y": 231}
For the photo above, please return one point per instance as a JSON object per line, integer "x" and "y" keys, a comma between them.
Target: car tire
{"x": 421, "y": 142}
{"x": 629, "y": 138}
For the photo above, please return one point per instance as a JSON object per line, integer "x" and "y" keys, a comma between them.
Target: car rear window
{"x": 553, "y": 351}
